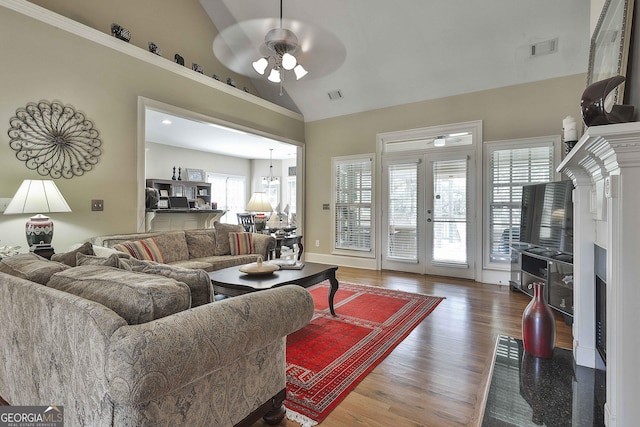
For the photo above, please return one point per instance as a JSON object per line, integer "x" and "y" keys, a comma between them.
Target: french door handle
{"x": 428, "y": 219}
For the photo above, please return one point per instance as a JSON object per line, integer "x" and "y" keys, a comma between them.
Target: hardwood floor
{"x": 436, "y": 375}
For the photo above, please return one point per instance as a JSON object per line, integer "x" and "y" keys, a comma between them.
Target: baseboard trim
{"x": 344, "y": 261}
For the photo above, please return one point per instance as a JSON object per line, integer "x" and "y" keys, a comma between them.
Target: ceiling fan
{"x": 283, "y": 43}
{"x": 278, "y": 47}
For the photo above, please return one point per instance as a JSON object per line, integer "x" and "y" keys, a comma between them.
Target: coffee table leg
{"x": 332, "y": 292}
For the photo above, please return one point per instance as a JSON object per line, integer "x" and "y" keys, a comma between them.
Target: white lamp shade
{"x": 288, "y": 61}
{"x": 274, "y": 76}
{"x": 259, "y": 202}
{"x": 260, "y": 65}
{"x": 37, "y": 196}
{"x": 300, "y": 71}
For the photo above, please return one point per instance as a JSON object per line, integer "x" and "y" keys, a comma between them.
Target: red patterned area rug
{"x": 327, "y": 358}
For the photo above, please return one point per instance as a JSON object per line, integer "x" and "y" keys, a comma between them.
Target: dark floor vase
{"x": 538, "y": 325}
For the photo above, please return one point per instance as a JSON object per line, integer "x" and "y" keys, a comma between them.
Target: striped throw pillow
{"x": 146, "y": 249}
{"x": 240, "y": 243}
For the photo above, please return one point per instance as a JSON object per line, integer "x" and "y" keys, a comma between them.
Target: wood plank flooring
{"x": 434, "y": 377}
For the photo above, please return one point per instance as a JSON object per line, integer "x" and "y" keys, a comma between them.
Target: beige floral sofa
{"x": 122, "y": 348}
{"x": 206, "y": 249}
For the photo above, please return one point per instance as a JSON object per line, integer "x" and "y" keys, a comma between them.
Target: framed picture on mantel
{"x": 610, "y": 45}
{"x": 195, "y": 175}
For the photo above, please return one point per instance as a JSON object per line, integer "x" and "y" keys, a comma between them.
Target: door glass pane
{"x": 450, "y": 211}
{"x": 403, "y": 212}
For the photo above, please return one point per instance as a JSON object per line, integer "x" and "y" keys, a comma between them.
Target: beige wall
{"x": 520, "y": 111}
{"x": 175, "y": 26}
{"x": 45, "y": 63}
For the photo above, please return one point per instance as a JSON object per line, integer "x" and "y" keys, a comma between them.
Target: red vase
{"x": 538, "y": 325}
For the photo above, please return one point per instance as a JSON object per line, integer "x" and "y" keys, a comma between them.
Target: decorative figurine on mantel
{"x": 179, "y": 174}
{"x": 595, "y": 104}
{"x": 173, "y": 177}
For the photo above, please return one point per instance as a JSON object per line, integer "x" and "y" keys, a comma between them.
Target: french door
{"x": 430, "y": 202}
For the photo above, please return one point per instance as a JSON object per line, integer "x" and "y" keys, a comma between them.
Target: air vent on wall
{"x": 335, "y": 94}
{"x": 545, "y": 47}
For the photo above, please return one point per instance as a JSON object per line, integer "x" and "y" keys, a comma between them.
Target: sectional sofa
{"x": 118, "y": 347}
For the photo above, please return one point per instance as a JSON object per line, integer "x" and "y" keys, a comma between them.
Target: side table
{"x": 288, "y": 240}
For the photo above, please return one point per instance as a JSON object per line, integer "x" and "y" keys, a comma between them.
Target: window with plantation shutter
{"x": 353, "y": 204}
{"x": 402, "y": 244}
{"x": 510, "y": 168}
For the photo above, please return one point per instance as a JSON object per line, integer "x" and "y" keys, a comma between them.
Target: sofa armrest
{"x": 263, "y": 244}
{"x": 153, "y": 359}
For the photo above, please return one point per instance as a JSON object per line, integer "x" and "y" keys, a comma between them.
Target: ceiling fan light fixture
{"x": 274, "y": 76}
{"x": 300, "y": 71}
{"x": 289, "y": 61}
{"x": 261, "y": 65}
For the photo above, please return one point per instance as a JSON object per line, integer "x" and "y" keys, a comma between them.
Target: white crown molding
{"x": 51, "y": 18}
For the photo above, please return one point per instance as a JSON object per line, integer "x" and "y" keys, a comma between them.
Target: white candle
{"x": 570, "y": 132}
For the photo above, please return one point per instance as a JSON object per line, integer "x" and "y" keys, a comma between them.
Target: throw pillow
{"x": 141, "y": 249}
{"x": 111, "y": 261}
{"x": 222, "y": 236}
{"x": 69, "y": 258}
{"x": 201, "y": 244}
{"x": 240, "y": 243}
{"x": 104, "y": 252}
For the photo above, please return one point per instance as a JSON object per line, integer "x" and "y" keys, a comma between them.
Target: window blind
{"x": 510, "y": 169}
{"x": 402, "y": 243}
{"x": 353, "y": 204}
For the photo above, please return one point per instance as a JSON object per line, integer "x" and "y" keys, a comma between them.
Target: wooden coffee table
{"x": 231, "y": 282}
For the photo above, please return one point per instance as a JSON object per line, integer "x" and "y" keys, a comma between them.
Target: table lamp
{"x": 259, "y": 202}
{"x": 38, "y": 196}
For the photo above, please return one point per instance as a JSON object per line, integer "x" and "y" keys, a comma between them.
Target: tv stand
{"x": 555, "y": 269}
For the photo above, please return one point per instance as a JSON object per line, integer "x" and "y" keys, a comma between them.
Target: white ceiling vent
{"x": 335, "y": 94}
{"x": 545, "y": 47}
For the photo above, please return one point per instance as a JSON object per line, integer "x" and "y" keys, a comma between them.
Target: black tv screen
{"x": 547, "y": 216}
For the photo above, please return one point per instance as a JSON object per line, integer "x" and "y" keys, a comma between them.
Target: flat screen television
{"x": 547, "y": 216}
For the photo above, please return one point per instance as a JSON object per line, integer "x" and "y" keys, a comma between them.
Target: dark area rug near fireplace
{"x": 529, "y": 391}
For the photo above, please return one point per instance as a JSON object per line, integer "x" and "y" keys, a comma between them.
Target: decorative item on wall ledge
{"x": 197, "y": 68}
{"x": 179, "y": 174}
{"x": 598, "y": 106}
{"x": 216, "y": 77}
{"x": 538, "y": 325}
{"x": 120, "y": 32}
{"x": 54, "y": 139}
{"x": 178, "y": 59}
{"x": 173, "y": 177}
{"x": 231, "y": 82}
{"x": 153, "y": 48}
{"x": 195, "y": 175}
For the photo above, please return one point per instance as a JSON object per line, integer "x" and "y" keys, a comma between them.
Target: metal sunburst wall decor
{"x": 54, "y": 139}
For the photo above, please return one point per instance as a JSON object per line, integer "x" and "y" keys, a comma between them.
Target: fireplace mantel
{"x": 605, "y": 169}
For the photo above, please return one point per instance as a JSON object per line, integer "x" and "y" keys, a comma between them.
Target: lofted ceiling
{"x": 386, "y": 53}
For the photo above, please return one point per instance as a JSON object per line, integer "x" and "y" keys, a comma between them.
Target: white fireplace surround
{"x": 605, "y": 169}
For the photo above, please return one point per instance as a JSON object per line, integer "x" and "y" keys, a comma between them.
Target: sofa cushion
{"x": 31, "y": 267}
{"x": 201, "y": 243}
{"x": 222, "y": 236}
{"x": 104, "y": 252}
{"x": 223, "y": 261}
{"x": 69, "y": 258}
{"x": 136, "y": 297}
{"x": 173, "y": 245}
{"x": 112, "y": 260}
{"x": 141, "y": 249}
{"x": 197, "y": 279}
{"x": 240, "y": 243}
